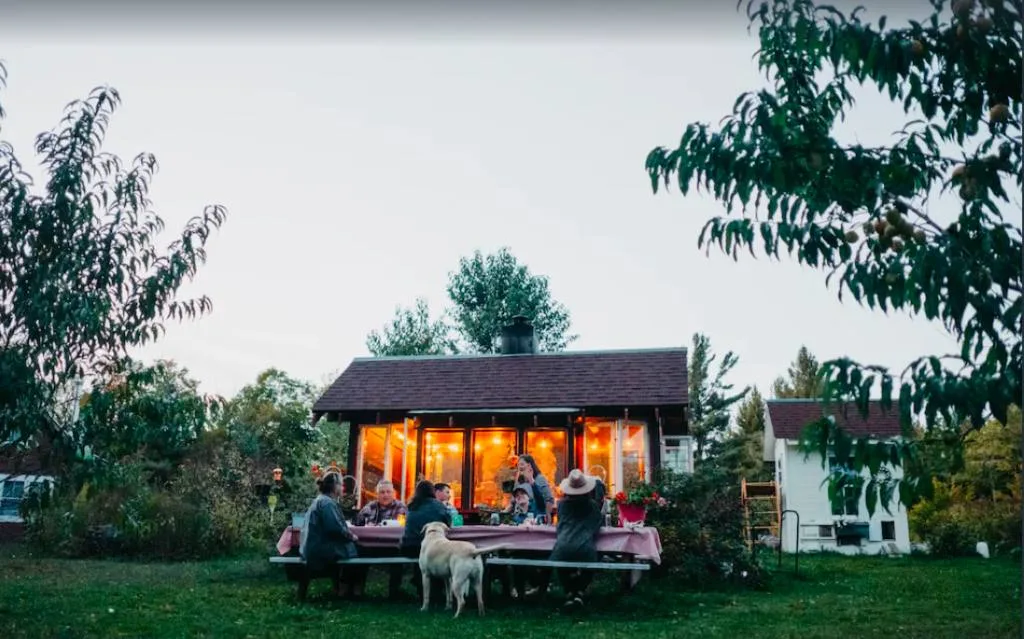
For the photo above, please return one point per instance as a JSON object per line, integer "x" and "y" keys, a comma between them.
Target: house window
{"x": 849, "y": 502}
{"x": 616, "y": 451}
{"x": 443, "y": 459}
{"x": 677, "y": 453}
{"x": 888, "y": 531}
{"x": 493, "y": 467}
{"x": 386, "y": 451}
{"x": 816, "y": 532}
{"x": 11, "y": 494}
{"x": 548, "y": 448}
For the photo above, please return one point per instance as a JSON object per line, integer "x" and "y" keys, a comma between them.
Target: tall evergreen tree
{"x": 803, "y": 378}
{"x": 710, "y": 398}
{"x": 750, "y": 431}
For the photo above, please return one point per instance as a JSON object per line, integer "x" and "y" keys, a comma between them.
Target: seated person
{"x": 443, "y": 493}
{"x": 579, "y": 521}
{"x": 383, "y": 508}
{"x": 522, "y": 505}
{"x": 326, "y": 537}
{"x": 424, "y": 508}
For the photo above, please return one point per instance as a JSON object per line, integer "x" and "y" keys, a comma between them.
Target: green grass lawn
{"x": 833, "y": 597}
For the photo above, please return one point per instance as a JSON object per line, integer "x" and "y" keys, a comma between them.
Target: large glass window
{"x": 384, "y": 452}
{"x": 443, "y": 460}
{"x": 493, "y": 451}
{"x": 372, "y": 460}
{"x": 549, "y": 449}
{"x": 634, "y": 453}
{"x": 616, "y": 451}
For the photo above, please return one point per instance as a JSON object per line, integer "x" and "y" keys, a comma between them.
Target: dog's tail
{"x": 486, "y": 549}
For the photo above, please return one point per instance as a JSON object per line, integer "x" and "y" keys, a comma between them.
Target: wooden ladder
{"x": 762, "y": 509}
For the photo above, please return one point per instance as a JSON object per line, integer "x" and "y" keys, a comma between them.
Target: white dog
{"x": 458, "y": 563}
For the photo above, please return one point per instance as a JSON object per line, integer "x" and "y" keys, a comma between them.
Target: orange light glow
{"x": 544, "y": 443}
{"x": 496, "y": 440}
{"x": 593, "y": 446}
{"x": 453, "y": 448}
{"x": 477, "y": 447}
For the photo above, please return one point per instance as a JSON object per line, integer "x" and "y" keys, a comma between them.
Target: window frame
{"x": 27, "y": 481}
{"x": 677, "y": 442}
{"x": 616, "y": 458}
{"x": 401, "y": 491}
{"x": 891, "y": 525}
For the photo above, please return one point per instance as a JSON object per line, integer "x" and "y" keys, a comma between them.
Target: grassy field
{"x": 833, "y": 597}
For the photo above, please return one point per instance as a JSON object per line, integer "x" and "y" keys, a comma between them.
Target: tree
{"x": 82, "y": 280}
{"x": 804, "y": 378}
{"x": 270, "y": 421}
{"x": 750, "y": 431}
{"x": 710, "y": 401}
{"x": 869, "y": 216}
{"x": 488, "y": 291}
{"x": 412, "y": 332}
{"x": 154, "y": 411}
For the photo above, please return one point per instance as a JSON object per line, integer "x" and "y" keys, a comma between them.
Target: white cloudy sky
{"x": 357, "y": 170}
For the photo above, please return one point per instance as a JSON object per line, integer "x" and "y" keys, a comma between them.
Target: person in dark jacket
{"x": 423, "y": 509}
{"x": 326, "y": 537}
{"x": 579, "y": 521}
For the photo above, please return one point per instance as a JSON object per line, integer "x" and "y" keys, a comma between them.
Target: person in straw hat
{"x": 579, "y": 520}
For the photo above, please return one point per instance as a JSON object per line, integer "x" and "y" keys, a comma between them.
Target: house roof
{"x": 789, "y": 417}
{"x": 653, "y": 377}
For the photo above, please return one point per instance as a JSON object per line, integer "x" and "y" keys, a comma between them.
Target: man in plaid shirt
{"x": 383, "y": 508}
{"x": 374, "y": 514}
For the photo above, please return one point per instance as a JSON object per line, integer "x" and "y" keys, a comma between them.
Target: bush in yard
{"x": 701, "y": 528}
{"x": 208, "y": 508}
{"x": 980, "y": 496}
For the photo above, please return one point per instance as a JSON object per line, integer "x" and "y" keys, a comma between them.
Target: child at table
{"x": 522, "y": 506}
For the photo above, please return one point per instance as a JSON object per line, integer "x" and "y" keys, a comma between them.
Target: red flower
{"x": 620, "y": 497}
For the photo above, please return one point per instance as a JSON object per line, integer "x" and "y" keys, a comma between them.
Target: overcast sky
{"x": 359, "y": 164}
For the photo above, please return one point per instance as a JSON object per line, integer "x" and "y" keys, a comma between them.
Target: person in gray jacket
{"x": 579, "y": 521}
{"x": 326, "y": 537}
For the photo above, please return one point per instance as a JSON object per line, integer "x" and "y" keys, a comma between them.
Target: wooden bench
{"x": 295, "y": 569}
{"x": 631, "y": 577}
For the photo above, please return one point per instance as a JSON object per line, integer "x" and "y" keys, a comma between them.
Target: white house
{"x": 848, "y": 528}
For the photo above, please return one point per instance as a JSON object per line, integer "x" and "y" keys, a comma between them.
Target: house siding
{"x": 803, "y": 488}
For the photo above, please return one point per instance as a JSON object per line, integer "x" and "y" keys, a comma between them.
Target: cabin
{"x": 464, "y": 419}
{"x": 18, "y": 472}
{"x": 846, "y": 528}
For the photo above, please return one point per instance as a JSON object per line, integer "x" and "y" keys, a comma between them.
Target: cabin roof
{"x": 790, "y": 416}
{"x": 580, "y": 379}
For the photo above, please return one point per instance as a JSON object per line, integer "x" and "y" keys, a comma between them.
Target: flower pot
{"x": 632, "y": 513}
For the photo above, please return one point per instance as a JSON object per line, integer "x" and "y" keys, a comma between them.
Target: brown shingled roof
{"x": 790, "y": 416}
{"x": 567, "y": 379}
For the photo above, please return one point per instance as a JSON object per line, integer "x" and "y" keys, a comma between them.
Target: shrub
{"x": 209, "y": 507}
{"x": 701, "y": 528}
{"x": 953, "y": 520}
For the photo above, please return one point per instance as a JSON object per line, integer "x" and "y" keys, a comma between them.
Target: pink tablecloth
{"x": 642, "y": 542}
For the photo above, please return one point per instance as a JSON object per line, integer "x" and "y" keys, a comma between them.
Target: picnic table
{"x": 641, "y": 543}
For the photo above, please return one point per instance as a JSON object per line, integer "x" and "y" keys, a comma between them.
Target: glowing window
{"x": 549, "y": 450}
{"x": 616, "y": 451}
{"x": 384, "y": 452}
{"x": 443, "y": 460}
{"x": 493, "y": 470}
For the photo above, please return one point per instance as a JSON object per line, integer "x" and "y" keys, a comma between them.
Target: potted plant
{"x": 632, "y": 505}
